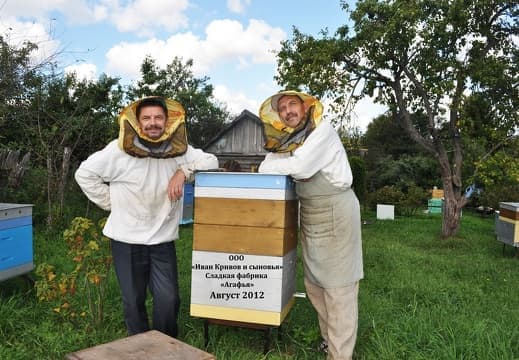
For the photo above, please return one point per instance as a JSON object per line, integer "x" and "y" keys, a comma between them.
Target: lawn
{"x": 422, "y": 298}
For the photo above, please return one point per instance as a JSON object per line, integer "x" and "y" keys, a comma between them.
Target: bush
{"x": 358, "y": 169}
{"x": 407, "y": 201}
{"x": 385, "y": 195}
{"x": 413, "y": 201}
{"x": 491, "y": 196}
{"x": 89, "y": 252}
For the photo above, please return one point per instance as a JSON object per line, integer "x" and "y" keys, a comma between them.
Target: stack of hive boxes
{"x": 507, "y": 224}
{"x": 16, "y": 250}
{"x": 435, "y": 204}
{"x": 244, "y": 247}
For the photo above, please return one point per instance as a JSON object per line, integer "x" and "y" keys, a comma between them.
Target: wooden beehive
{"x": 507, "y": 225}
{"x": 16, "y": 248}
{"x": 437, "y": 194}
{"x": 244, "y": 247}
{"x": 435, "y": 206}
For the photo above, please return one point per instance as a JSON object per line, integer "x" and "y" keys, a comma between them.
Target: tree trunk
{"x": 453, "y": 203}
{"x": 451, "y": 216}
{"x": 49, "y": 187}
{"x": 65, "y": 166}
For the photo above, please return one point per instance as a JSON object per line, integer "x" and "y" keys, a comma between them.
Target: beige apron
{"x": 330, "y": 233}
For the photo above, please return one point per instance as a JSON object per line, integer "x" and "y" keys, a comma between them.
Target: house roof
{"x": 245, "y": 115}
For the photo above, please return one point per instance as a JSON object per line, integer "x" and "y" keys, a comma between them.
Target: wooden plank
{"x": 246, "y": 212}
{"x": 151, "y": 345}
{"x": 244, "y": 239}
{"x": 245, "y": 193}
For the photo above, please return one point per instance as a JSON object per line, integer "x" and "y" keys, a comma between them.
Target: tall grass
{"x": 422, "y": 298}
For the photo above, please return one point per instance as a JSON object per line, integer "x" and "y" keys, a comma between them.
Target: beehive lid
{"x": 10, "y": 211}
{"x": 511, "y": 206}
{"x": 243, "y": 180}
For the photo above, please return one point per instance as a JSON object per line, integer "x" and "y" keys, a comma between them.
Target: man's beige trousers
{"x": 337, "y": 310}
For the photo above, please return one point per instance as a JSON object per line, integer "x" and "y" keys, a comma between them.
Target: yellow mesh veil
{"x": 175, "y": 131}
{"x": 277, "y": 134}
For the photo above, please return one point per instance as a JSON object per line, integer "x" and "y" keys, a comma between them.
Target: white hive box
{"x": 507, "y": 224}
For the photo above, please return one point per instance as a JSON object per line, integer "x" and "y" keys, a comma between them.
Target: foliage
{"x": 385, "y": 136}
{"x": 414, "y": 200}
{"x": 204, "y": 116}
{"x": 394, "y": 159}
{"x": 492, "y": 157}
{"x": 418, "y": 169}
{"x": 15, "y": 74}
{"x": 496, "y": 174}
{"x": 358, "y": 170}
{"x": 56, "y": 118}
{"x": 491, "y": 196}
{"x": 499, "y": 169}
{"x": 88, "y": 249}
{"x": 389, "y": 194}
{"x": 418, "y": 57}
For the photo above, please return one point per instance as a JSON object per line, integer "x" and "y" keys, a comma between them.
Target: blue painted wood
{"x": 243, "y": 180}
{"x": 15, "y": 222}
{"x": 189, "y": 194}
{"x": 15, "y": 247}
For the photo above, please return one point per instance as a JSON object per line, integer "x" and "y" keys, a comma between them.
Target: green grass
{"x": 422, "y": 298}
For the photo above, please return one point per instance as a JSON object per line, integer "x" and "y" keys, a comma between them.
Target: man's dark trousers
{"x": 139, "y": 267}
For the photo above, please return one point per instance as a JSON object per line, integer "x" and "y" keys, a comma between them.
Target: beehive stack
{"x": 244, "y": 247}
{"x": 16, "y": 250}
{"x": 507, "y": 228}
{"x": 435, "y": 204}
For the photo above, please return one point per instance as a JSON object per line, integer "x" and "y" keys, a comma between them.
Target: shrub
{"x": 414, "y": 200}
{"x": 491, "y": 196}
{"x": 89, "y": 252}
{"x": 407, "y": 201}
{"x": 385, "y": 195}
{"x": 358, "y": 169}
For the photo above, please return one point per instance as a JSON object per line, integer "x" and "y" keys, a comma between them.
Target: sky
{"x": 232, "y": 42}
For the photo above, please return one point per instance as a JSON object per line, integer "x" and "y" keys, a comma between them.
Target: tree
{"x": 15, "y": 72}
{"x": 204, "y": 116}
{"x": 393, "y": 158}
{"x": 418, "y": 56}
{"x": 66, "y": 120}
{"x": 492, "y": 156}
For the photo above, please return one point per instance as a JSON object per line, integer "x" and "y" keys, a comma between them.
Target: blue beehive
{"x": 16, "y": 251}
{"x": 187, "y": 206}
{"x": 435, "y": 206}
